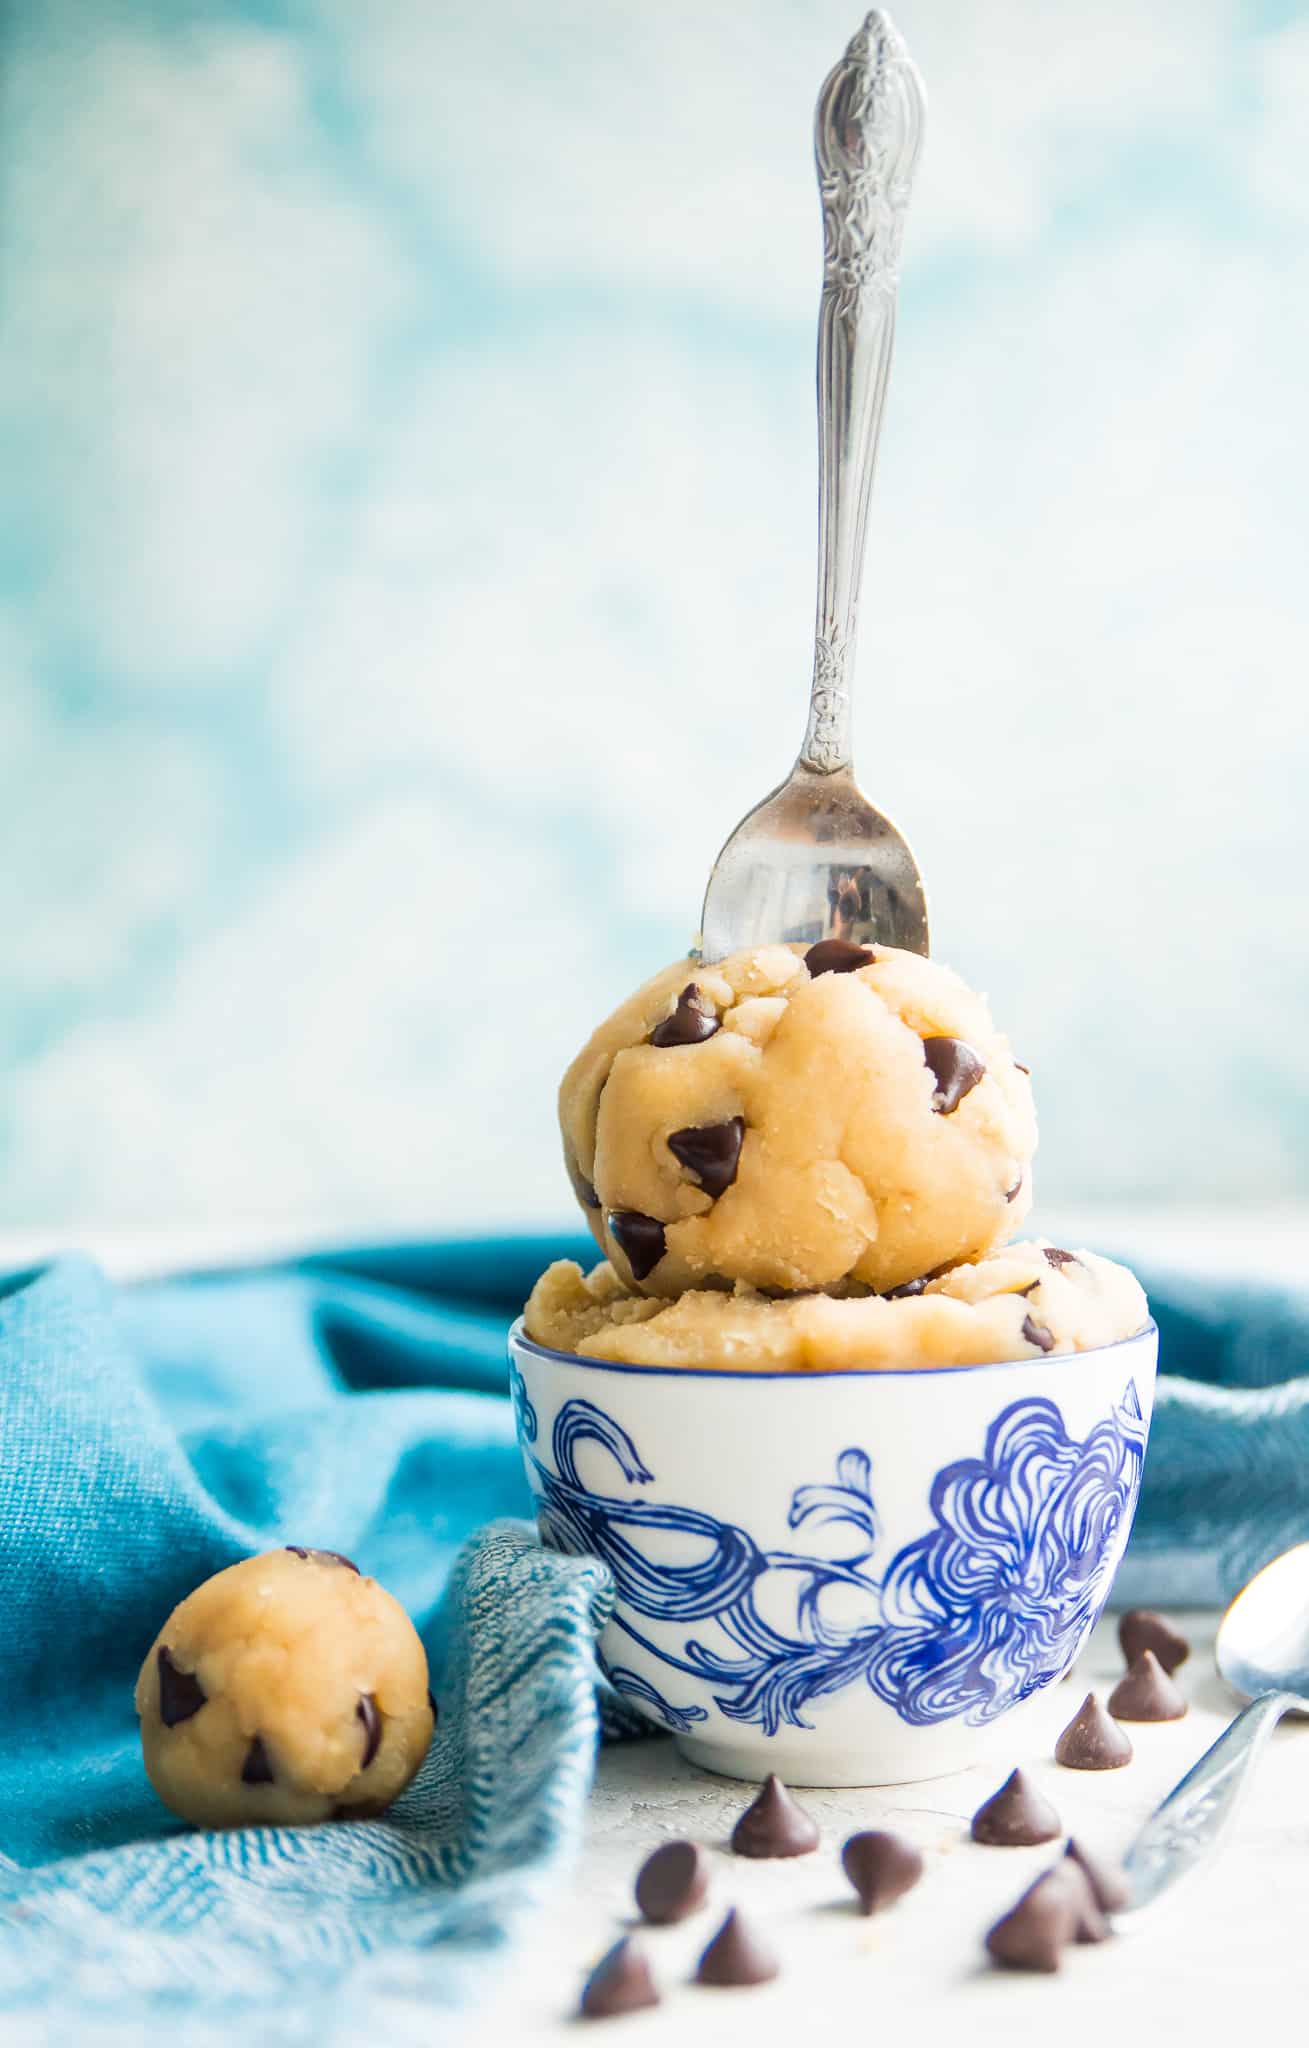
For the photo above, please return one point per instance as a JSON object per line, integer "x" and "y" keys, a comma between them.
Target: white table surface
{"x": 1199, "y": 1967}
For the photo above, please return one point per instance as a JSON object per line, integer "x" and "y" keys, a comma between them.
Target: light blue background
{"x": 406, "y": 573}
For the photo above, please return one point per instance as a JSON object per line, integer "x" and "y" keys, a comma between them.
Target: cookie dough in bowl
{"x": 288, "y": 1688}
{"x": 831, "y": 1118}
{"x": 1025, "y": 1300}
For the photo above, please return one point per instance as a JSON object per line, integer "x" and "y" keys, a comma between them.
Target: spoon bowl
{"x": 1263, "y": 1639}
{"x": 813, "y": 861}
{"x": 816, "y": 859}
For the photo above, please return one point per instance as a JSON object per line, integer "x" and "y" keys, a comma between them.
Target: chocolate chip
{"x": 324, "y": 1557}
{"x": 1147, "y": 1693}
{"x": 694, "y": 1020}
{"x": 366, "y": 1712}
{"x": 256, "y": 1770}
{"x": 672, "y": 1882}
{"x": 1141, "y": 1629}
{"x": 1035, "y": 1933}
{"x": 881, "y": 1867}
{"x": 736, "y": 1956}
{"x": 581, "y": 1186}
{"x": 1012, "y": 1194}
{"x": 1036, "y": 1333}
{"x": 1056, "y": 1258}
{"x": 907, "y": 1292}
{"x": 1089, "y": 1922}
{"x": 639, "y": 1238}
{"x": 774, "y": 1825}
{"x": 837, "y": 956}
{"x": 1109, "y": 1887}
{"x": 1021, "y": 1068}
{"x": 711, "y": 1152}
{"x": 1092, "y": 1741}
{"x": 957, "y": 1069}
{"x": 619, "y": 1983}
{"x": 180, "y": 1692}
{"x": 1016, "y": 1816}
{"x": 1030, "y": 1288}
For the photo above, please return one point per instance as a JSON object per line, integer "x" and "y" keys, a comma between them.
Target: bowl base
{"x": 794, "y": 1764}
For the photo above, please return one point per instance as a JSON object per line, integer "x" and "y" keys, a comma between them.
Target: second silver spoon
{"x": 1262, "y": 1651}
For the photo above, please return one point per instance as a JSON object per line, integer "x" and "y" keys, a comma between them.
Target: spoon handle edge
{"x": 1186, "y": 1827}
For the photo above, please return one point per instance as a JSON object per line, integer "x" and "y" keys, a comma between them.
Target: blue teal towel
{"x": 152, "y": 1435}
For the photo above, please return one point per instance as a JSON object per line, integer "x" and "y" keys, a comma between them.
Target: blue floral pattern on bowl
{"x": 990, "y": 1603}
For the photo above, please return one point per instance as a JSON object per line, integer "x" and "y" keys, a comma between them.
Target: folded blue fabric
{"x": 151, "y": 1435}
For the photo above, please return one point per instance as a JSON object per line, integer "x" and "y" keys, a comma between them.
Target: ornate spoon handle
{"x": 867, "y": 130}
{"x": 1188, "y": 1824}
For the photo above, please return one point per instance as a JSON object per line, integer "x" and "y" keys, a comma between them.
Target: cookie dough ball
{"x": 842, "y": 1117}
{"x": 1025, "y": 1301}
{"x": 285, "y": 1689}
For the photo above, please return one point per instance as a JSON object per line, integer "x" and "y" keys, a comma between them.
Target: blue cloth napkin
{"x": 148, "y": 1438}
{"x": 151, "y": 1435}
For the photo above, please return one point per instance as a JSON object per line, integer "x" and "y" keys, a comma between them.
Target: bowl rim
{"x": 825, "y": 1375}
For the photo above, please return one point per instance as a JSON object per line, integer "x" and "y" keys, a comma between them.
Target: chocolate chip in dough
{"x": 619, "y": 1983}
{"x": 711, "y": 1152}
{"x": 882, "y": 1868}
{"x": 693, "y": 1020}
{"x": 736, "y": 1956}
{"x": 256, "y": 1770}
{"x": 1093, "y": 1740}
{"x": 1147, "y": 1693}
{"x": 180, "y": 1692}
{"x": 1141, "y": 1629}
{"x": 639, "y": 1238}
{"x": 837, "y": 956}
{"x": 1016, "y": 1817}
{"x": 581, "y": 1186}
{"x": 956, "y": 1068}
{"x": 1036, "y": 1333}
{"x": 672, "y": 1882}
{"x": 907, "y": 1291}
{"x": 1056, "y": 1258}
{"x": 366, "y": 1713}
{"x": 324, "y": 1557}
{"x": 774, "y": 1825}
{"x": 1012, "y": 1194}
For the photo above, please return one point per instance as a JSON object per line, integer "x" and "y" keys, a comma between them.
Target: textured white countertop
{"x": 1198, "y": 1967}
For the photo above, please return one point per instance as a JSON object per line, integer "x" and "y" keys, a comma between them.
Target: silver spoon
{"x": 1262, "y": 1651}
{"x": 815, "y": 859}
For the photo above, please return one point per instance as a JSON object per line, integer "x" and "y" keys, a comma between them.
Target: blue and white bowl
{"x": 849, "y": 1578}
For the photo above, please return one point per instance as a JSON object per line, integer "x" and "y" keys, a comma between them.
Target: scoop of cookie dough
{"x": 286, "y": 1689}
{"x": 1024, "y": 1301}
{"x": 845, "y": 1116}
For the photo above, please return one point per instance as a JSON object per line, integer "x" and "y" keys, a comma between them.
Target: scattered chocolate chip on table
{"x": 1147, "y": 1693}
{"x": 1093, "y": 1740}
{"x": 1017, "y": 1816}
{"x": 774, "y": 1824}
